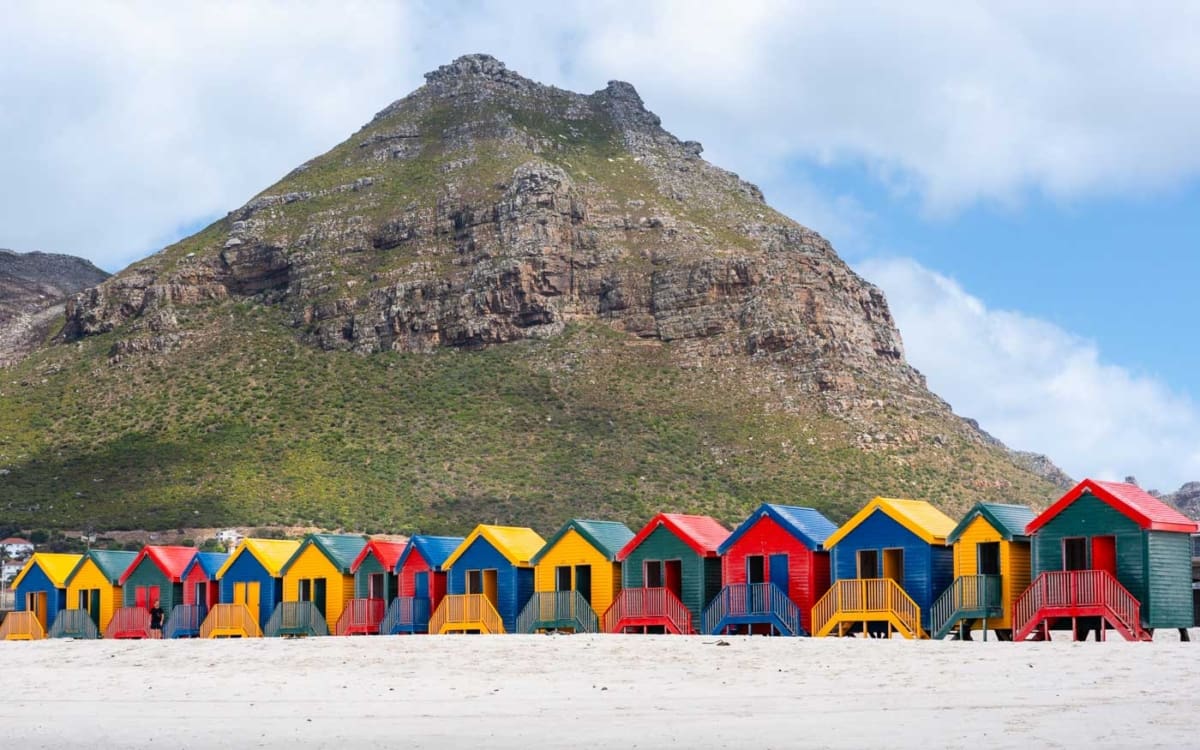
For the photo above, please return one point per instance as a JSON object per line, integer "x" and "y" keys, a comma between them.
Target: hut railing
{"x": 131, "y": 622}
{"x": 230, "y": 620}
{"x": 558, "y": 610}
{"x": 74, "y": 623}
{"x": 469, "y": 611}
{"x": 743, "y": 601}
{"x": 360, "y": 617}
{"x": 865, "y": 600}
{"x": 185, "y": 621}
{"x": 641, "y": 607}
{"x": 406, "y": 614}
{"x": 969, "y": 596}
{"x": 21, "y": 626}
{"x": 1069, "y": 593}
{"x": 296, "y": 619}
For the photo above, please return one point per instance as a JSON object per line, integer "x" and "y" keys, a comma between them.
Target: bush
{"x": 39, "y": 536}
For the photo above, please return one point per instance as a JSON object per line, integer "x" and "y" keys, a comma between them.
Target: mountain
{"x": 498, "y": 301}
{"x": 1186, "y": 498}
{"x": 33, "y": 291}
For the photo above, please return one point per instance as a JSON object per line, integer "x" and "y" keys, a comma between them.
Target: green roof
{"x": 1009, "y": 520}
{"x": 341, "y": 549}
{"x": 607, "y": 537}
{"x": 112, "y": 563}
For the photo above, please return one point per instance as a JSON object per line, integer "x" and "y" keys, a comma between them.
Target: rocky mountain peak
{"x": 33, "y": 290}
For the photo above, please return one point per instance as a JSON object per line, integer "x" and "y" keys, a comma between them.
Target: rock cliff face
{"x": 1187, "y": 499}
{"x": 33, "y": 291}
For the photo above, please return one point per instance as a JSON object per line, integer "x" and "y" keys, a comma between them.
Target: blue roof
{"x": 209, "y": 562}
{"x": 435, "y": 549}
{"x": 806, "y": 524}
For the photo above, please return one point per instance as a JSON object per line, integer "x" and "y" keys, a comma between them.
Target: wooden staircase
{"x": 466, "y": 613}
{"x": 131, "y": 622}
{"x": 22, "y": 626}
{"x": 1061, "y": 596}
{"x": 969, "y": 598}
{"x": 74, "y": 623}
{"x": 230, "y": 621}
{"x": 360, "y": 617}
{"x": 406, "y": 614}
{"x": 752, "y": 604}
{"x": 296, "y": 620}
{"x": 854, "y": 604}
{"x": 641, "y": 608}
{"x": 558, "y": 610}
{"x": 185, "y": 621}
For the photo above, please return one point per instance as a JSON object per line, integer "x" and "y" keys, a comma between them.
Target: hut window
{"x": 562, "y": 578}
{"x": 654, "y": 577}
{"x": 1075, "y": 553}
{"x": 583, "y": 582}
{"x": 755, "y": 569}
{"x": 989, "y": 558}
{"x": 868, "y": 563}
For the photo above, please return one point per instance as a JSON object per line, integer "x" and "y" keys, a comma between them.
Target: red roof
{"x": 387, "y": 553}
{"x": 1141, "y": 507}
{"x": 702, "y": 533}
{"x": 172, "y": 561}
{"x": 12, "y": 540}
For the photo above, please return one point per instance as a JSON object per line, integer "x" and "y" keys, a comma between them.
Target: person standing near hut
{"x": 156, "y": 619}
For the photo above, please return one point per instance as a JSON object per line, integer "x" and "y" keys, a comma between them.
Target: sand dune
{"x": 598, "y": 691}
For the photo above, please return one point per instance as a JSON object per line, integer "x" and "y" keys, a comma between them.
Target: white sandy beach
{"x": 598, "y": 691}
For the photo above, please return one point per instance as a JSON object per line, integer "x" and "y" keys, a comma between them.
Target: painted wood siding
{"x": 808, "y": 577}
{"x": 572, "y": 549}
{"x": 696, "y": 582}
{"x": 514, "y": 585}
{"x": 247, "y": 569}
{"x": 406, "y": 580}
{"x": 312, "y": 563}
{"x": 36, "y": 581}
{"x": 89, "y": 577}
{"x": 1088, "y": 517}
{"x": 1168, "y": 603}
{"x": 362, "y": 579}
{"x": 1014, "y": 563}
{"x": 147, "y": 574}
{"x": 928, "y": 570}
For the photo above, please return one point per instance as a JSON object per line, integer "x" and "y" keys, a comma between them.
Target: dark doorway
{"x": 868, "y": 563}
{"x": 989, "y": 558}
{"x": 1075, "y": 553}
{"x": 756, "y": 569}
{"x": 305, "y": 593}
{"x": 654, "y": 575}
{"x": 474, "y": 581}
{"x": 673, "y": 570}
{"x": 319, "y": 595}
{"x": 583, "y": 582}
{"x": 562, "y": 578}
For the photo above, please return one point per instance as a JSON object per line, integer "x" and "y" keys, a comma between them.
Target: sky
{"x": 1022, "y": 181}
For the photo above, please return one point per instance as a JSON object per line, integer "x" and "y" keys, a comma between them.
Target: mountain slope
{"x": 33, "y": 291}
{"x": 498, "y": 301}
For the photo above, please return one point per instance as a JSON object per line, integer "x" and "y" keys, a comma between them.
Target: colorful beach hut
{"x": 93, "y": 593}
{"x": 489, "y": 579}
{"x": 317, "y": 583}
{"x": 991, "y": 569}
{"x": 775, "y": 568}
{"x": 669, "y": 571}
{"x": 575, "y": 575}
{"x": 421, "y": 582}
{"x": 1107, "y": 555}
{"x": 374, "y": 586}
{"x": 40, "y": 590}
{"x": 201, "y": 592}
{"x": 251, "y": 584}
{"x": 155, "y": 575}
{"x": 888, "y": 564}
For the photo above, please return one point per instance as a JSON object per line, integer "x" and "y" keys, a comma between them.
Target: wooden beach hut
{"x": 991, "y": 569}
{"x": 489, "y": 579}
{"x": 93, "y": 593}
{"x": 251, "y": 583}
{"x": 421, "y": 583}
{"x": 888, "y": 564}
{"x": 317, "y": 583}
{"x": 155, "y": 575}
{"x": 1107, "y": 555}
{"x": 775, "y": 568}
{"x": 669, "y": 571}
{"x": 575, "y": 575}
{"x": 374, "y": 587}
{"x": 201, "y": 592}
{"x": 40, "y": 593}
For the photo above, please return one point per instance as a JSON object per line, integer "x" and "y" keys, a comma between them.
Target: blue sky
{"x": 1022, "y": 180}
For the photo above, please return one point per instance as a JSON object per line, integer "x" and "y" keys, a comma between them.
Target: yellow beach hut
{"x": 575, "y": 575}
{"x": 41, "y": 593}
{"x": 318, "y": 580}
{"x": 991, "y": 569}
{"x": 93, "y": 593}
{"x": 489, "y": 579}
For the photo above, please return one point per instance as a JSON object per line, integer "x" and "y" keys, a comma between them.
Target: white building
{"x": 229, "y": 538}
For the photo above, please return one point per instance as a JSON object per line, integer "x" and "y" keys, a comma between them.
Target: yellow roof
{"x": 918, "y": 516}
{"x": 56, "y": 566}
{"x": 518, "y": 544}
{"x": 272, "y": 554}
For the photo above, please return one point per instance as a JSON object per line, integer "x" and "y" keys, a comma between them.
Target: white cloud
{"x": 1038, "y": 387}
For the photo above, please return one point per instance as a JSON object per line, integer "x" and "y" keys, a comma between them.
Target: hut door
{"x": 868, "y": 563}
{"x": 893, "y": 565}
{"x": 989, "y": 558}
{"x": 35, "y": 602}
{"x": 583, "y": 582}
{"x": 490, "y": 587}
{"x": 200, "y": 593}
{"x": 247, "y": 593}
{"x": 674, "y": 577}
{"x": 319, "y": 594}
{"x": 1104, "y": 554}
{"x": 1075, "y": 553}
{"x": 375, "y": 586}
{"x": 756, "y": 569}
{"x": 778, "y": 570}
{"x": 562, "y": 578}
{"x": 653, "y": 578}
{"x": 94, "y": 605}
{"x": 421, "y": 585}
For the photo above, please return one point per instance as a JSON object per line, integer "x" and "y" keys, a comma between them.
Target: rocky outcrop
{"x": 33, "y": 290}
{"x": 1186, "y": 498}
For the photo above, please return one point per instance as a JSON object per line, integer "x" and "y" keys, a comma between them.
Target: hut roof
{"x": 703, "y": 534}
{"x": 435, "y": 549}
{"x": 518, "y": 544}
{"x": 1009, "y": 520}
{"x": 1141, "y": 507}
{"x": 272, "y": 554}
{"x": 608, "y": 537}
{"x": 339, "y": 549}
{"x": 172, "y": 561}
{"x": 918, "y": 516}
{"x": 806, "y": 524}
{"x": 111, "y": 562}
{"x": 386, "y": 552}
{"x": 56, "y": 566}
{"x": 210, "y": 562}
